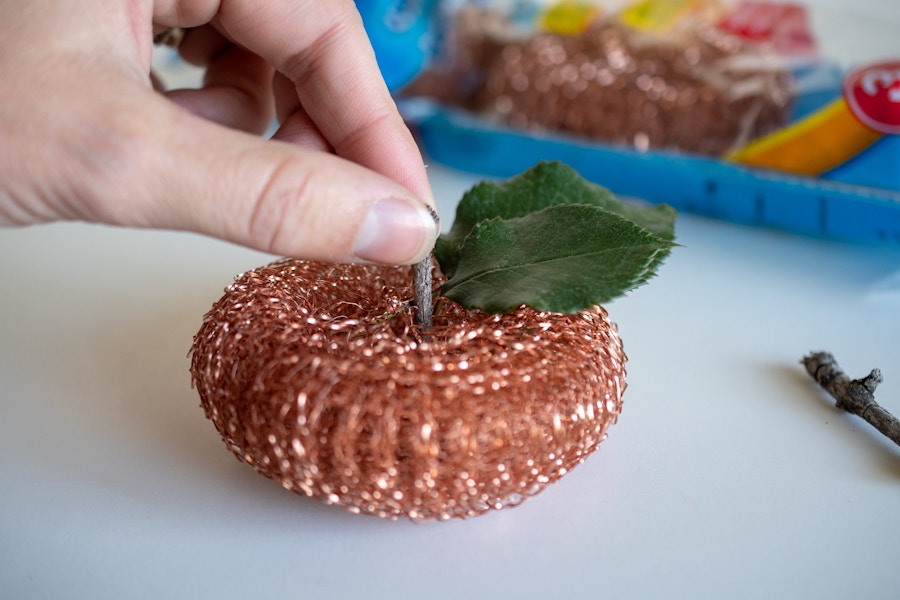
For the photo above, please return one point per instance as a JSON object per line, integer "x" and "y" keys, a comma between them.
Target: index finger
{"x": 322, "y": 47}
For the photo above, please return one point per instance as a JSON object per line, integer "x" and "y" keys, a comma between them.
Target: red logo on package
{"x": 873, "y": 93}
{"x": 783, "y": 25}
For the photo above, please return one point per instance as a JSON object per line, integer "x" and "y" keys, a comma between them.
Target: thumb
{"x": 273, "y": 196}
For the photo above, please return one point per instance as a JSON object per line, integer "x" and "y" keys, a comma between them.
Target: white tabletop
{"x": 729, "y": 474}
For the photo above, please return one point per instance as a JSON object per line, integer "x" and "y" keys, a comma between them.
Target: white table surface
{"x": 729, "y": 474}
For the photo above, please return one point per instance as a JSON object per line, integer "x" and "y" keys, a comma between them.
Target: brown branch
{"x": 422, "y": 289}
{"x": 856, "y": 396}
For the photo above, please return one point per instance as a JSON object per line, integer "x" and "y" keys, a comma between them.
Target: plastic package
{"x": 613, "y": 77}
{"x": 718, "y": 108}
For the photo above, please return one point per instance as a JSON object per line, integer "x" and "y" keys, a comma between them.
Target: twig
{"x": 853, "y": 395}
{"x": 422, "y": 289}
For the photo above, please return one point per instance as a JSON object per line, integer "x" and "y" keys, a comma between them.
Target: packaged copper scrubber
{"x": 620, "y": 77}
{"x": 719, "y": 108}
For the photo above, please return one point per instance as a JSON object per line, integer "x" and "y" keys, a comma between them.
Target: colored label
{"x": 785, "y": 26}
{"x": 569, "y": 17}
{"x": 658, "y": 15}
{"x": 811, "y": 146}
{"x": 873, "y": 93}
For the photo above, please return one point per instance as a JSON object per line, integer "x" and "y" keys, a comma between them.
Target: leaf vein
{"x": 644, "y": 269}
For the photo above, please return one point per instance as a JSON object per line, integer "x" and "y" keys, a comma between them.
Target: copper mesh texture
{"x": 697, "y": 89}
{"x": 316, "y": 376}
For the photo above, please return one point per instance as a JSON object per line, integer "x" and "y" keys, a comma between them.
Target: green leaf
{"x": 544, "y": 185}
{"x": 562, "y": 258}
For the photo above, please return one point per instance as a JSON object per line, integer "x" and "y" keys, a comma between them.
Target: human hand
{"x": 86, "y": 137}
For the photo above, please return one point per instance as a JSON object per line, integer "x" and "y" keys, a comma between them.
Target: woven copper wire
{"x": 316, "y": 376}
{"x": 697, "y": 88}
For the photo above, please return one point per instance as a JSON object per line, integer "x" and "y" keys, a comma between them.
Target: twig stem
{"x": 422, "y": 289}
{"x": 853, "y": 395}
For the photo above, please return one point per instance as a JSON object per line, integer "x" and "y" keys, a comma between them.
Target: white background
{"x": 729, "y": 474}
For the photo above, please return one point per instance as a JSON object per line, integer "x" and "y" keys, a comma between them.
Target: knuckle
{"x": 282, "y": 207}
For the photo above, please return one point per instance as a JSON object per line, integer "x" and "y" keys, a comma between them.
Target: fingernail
{"x": 396, "y": 232}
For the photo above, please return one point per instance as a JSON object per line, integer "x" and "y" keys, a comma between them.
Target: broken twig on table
{"x": 853, "y": 395}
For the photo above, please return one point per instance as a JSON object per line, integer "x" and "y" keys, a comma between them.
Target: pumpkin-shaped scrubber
{"x": 318, "y": 376}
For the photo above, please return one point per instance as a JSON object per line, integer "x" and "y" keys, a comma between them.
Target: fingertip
{"x": 397, "y": 231}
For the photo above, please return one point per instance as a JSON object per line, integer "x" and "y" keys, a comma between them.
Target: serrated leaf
{"x": 563, "y": 258}
{"x": 544, "y": 185}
